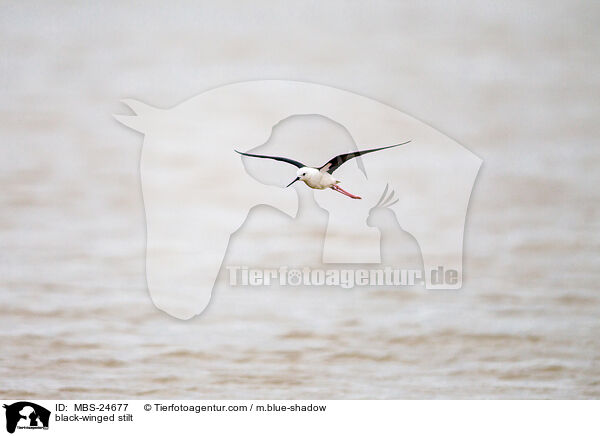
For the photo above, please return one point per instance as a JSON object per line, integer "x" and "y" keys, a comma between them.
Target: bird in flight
{"x": 321, "y": 177}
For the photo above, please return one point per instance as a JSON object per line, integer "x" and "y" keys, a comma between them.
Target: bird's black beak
{"x": 293, "y": 181}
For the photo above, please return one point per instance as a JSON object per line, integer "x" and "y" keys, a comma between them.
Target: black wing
{"x": 337, "y": 161}
{"x": 282, "y": 159}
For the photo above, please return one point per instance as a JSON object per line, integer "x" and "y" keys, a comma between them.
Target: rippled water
{"x": 518, "y": 85}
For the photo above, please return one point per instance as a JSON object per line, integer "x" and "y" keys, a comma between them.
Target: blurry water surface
{"x": 518, "y": 84}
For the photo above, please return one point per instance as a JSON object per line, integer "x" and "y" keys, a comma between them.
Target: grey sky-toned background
{"x": 517, "y": 83}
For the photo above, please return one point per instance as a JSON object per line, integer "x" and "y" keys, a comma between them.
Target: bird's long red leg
{"x": 340, "y": 190}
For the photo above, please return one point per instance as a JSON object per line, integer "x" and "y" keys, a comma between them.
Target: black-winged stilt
{"x": 321, "y": 177}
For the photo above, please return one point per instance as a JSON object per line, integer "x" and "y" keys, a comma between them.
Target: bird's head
{"x": 303, "y": 174}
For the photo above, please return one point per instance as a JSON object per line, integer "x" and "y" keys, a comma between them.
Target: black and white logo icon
{"x": 26, "y": 415}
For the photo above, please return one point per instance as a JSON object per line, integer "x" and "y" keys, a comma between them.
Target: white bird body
{"x": 315, "y": 178}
